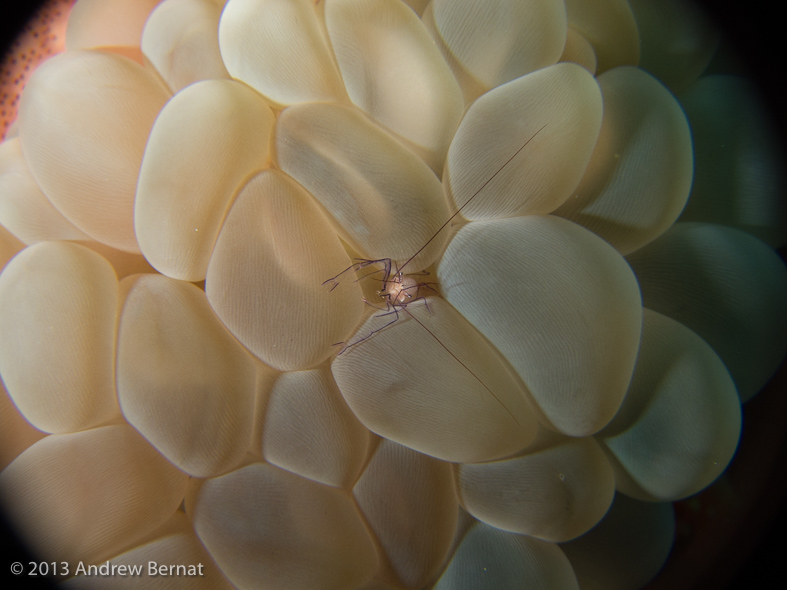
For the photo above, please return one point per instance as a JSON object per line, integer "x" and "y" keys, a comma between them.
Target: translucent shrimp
{"x": 398, "y": 290}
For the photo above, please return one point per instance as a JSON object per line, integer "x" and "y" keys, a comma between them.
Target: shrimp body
{"x": 398, "y": 290}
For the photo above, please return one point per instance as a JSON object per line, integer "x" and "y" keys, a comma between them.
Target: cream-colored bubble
{"x": 490, "y": 43}
{"x": 265, "y": 380}
{"x": 87, "y": 495}
{"x": 394, "y": 73}
{"x": 181, "y": 40}
{"x": 555, "y": 494}
{"x": 265, "y": 276}
{"x": 385, "y": 201}
{"x": 428, "y": 381}
{"x": 579, "y": 51}
{"x": 205, "y": 143}
{"x": 490, "y": 559}
{"x": 559, "y": 303}
{"x": 173, "y": 544}
{"x": 681, "y": 419}
{"x": 279, "y": 48}
{"x": 639, "y": 177}
{"x": 725, "y": 285}
{"x": 124, "y": 263}
{"x": 269, "y": 529}
{"x": 107, "y": 23}
{"x": 24, "y": 209}
{"x": 183, "y": 381}
{"x": 563, "y": 106}
{"x": 85, "y": 148}
{"x": 626, "y": 549}
{"x": 309, "y": 430}
{"x": 415, "y": 531}
{"x": 57, "y": 315}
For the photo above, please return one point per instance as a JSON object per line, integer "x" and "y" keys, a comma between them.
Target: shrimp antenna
{"x": 475, "y": 194}
{"x": 458, "y": 360}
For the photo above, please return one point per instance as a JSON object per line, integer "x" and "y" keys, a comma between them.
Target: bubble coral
{"x": 204, "y": 200}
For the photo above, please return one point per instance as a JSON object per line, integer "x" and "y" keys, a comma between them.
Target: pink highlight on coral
{"x": 44, "y": 36}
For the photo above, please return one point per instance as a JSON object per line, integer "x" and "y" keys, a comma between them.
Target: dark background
{"x": 757, "y": 34}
